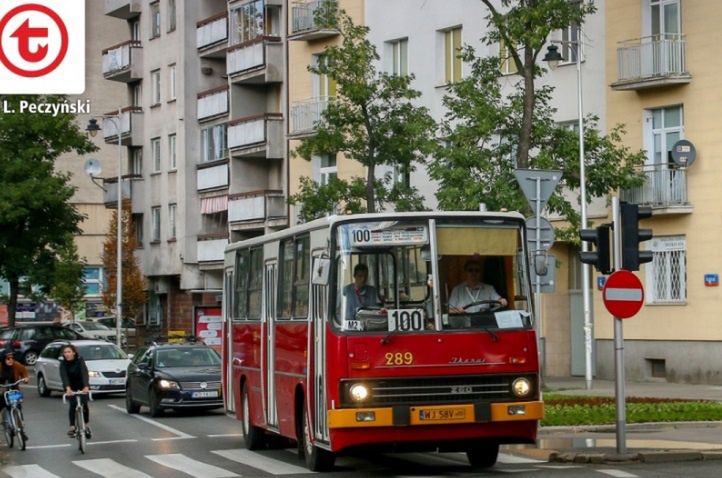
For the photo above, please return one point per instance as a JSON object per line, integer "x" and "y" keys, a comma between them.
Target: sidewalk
{"x": 645, "y": 442}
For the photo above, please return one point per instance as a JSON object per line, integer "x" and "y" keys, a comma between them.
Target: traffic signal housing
{"x": 632, "y": 235}
{"x": 600, "y": 258}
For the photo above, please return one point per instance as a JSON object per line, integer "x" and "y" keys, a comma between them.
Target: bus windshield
{"x": 386, "y": 275}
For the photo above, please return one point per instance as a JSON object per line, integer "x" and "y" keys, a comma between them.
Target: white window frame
{"x": 172, "y": 95}
{"x": 451, "y": 54}
{"x": 172, "y": 152}
{"x": 137, "y": 161}
{"x": 155, "y": 19}
{"x": 669, "y": 252}
{"x": 155, "y": 87}
{"x": 399, "y": 56}
{"x": 99, "y": 281}
{"x": 155, "y": 224}
{"x": 137, "y": 94}
{"x": 172, "y": 209}
{"x": 135, "y": 30}
{"x": 661, "y": 24}
{"x": 651, "y": 132}
{"x": 507, "y": 65}
{"x": 155, "y": 154}
{"x": 328, "y": 168}
{"x": 171, "y": 15}
{"x": 211, "y": 150}
{"x": 571, "y": 44}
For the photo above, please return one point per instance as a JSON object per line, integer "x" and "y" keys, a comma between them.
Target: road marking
{"x": 617, "y": 473}
{"x": 28, "y": 471}
{"x": 129, "y": 440}
{"x": 171, "y": 438}
{"x": 154, "y": 423}
{"x": 559, "y": 467}
{"x": 517, "y": 470}
{"x": 516, "y": 460}
{"x": 110, "y": 468}
{"x": 261, "y": 462}
{"x": 190, "y": 466}
{"x": 226, "y": 435}
{"x": 38, "y": 447}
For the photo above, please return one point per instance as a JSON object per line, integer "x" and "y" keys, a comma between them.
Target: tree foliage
{"x": 372, "y": 120}
{"x": 37, "y": 221}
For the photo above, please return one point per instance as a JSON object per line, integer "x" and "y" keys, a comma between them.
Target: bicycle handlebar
{"x": 88, "y": 393}
{"x": 9, "y": 385}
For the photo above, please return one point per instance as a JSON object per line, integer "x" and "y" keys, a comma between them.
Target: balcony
{"x": 123, "y": 62}
{"x": 211, "y": 247}
{"x": 125, "y": 9}
{"x": 665, "y": 190}
{"x": 212, "y": 36}
{"x": 132, "y": 189}
{"x": 256, "y": 209}
{"x": 131, "y": 126}
{"x": 258, "y": 136}
{"x": 213, "y": 103}
{"x": 651, "y": 62}
{"x": 306, "y": 114}
{"x": 212, "y": 176}
{"x": 257, "y": 61}
{"x": 313, "y": 20}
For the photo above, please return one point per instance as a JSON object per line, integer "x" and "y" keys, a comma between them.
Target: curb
{"x": 610, "y": 428}
{"x": 657, "y": 456}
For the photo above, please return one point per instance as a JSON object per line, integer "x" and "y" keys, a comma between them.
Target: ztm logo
{"x": 37, "y": 54}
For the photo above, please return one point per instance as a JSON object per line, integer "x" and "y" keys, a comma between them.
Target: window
{"x": 137, "y": 94}
{"x": 571, "y": 43}
{"x": 135, "y": 31}
{"x": 400, "y": 57}
{"x": 136, "y": 161}
{"x": 507, "y": 65}
{"x": 667, "y": 273}
{"x": 294, "y": 278}
{"x": 154, "y": 20}
{"x": 402, "y": 175}
{"x": 328, "y": 168}
{"x": 666, "y": 23}
{"x": 171, "y": 82}
{"x": 155, "y": 87}
{"x": 667, "y": 127}
{"x": 171, "y": 221}
{"x": 240, "y": 300}
{"x": 325, "y": 86}
{"x": 255, "y": 284}
{"x": 249, "y": 21}
{"x": 213, "y": 143}
{"x": 171, "y": 15}
{"x": 93, "y": 280}
{"x": 138, "y": 228}
{"x": 155, "y": 154}
{"x": 452, "y": 60}
{"x": 155, "y": 224}
{"x": 172, "y": 152}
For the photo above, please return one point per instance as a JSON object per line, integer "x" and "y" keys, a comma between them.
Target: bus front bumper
{"x": 435, "y": 415}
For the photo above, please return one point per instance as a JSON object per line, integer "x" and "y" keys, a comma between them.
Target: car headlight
{"x": 94, "y": 374}
{"x": 169, "y": 384}
{"x": 358, "y": 392}
{"x": 521, "y": 387}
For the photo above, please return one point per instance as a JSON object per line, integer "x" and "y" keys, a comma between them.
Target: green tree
{"x": 372, "y": 120}
{"x": 37, "y": 221}
{"x": 57, "y": 275}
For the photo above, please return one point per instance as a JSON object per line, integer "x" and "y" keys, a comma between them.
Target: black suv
{"x": 27, "y": 341}
{"x": 174, "y": 376}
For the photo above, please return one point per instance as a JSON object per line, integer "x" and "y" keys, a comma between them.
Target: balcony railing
{"x": 131, "y": 189}
{"x": 213, "y": 103}
{"x": 311, "y": 20}
{"x": 211, "y": 247}
{"x": 651, "y": 61}
{"x": 663, "y": 188}
{"x": 306, "y": 114}
{"x": 256, "y": 61}
{"x": 123, "y": 62}
{"x": 125, "y": 9}
{"x": 131, "y": 126}
{"x": 212, "y": 177}
{"x": 212, "y": 31}
{"x": 256, "y": 206}
{"x": 258, "y": 136}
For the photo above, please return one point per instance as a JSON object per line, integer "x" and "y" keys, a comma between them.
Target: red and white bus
{"x": 401, "y": 374}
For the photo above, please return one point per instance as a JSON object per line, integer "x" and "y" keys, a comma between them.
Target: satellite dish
{"x": 92, "y": 167}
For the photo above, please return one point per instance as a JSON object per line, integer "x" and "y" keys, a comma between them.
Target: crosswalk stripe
{"x": 110, "y": 468}
{"x": 617, "y": 473}
{"x": 516, "y": 460}
{"x": 28, "y": 471}
{"x": 190, "y": 466}
{"x": 261, "y": 462}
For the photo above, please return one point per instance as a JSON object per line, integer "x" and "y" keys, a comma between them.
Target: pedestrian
{"x": 74, "y": 374}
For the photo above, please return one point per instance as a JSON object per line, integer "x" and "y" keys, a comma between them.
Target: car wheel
{"x": 130, "y": 405}
{"x": 154, "y": 404}
{"x": 43, "y": 389}
{"x": 31, "y": 357}
{"x": 253, "y": 437}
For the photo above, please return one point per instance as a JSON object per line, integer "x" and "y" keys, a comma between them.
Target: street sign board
{"x": 527, "y": 179}
{"x": 623, "y": 294}
{"x": 544, "y": 229}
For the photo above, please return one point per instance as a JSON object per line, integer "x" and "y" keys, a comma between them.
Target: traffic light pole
{"x": 619, "y": 339}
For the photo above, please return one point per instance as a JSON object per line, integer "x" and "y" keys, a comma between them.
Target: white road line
{"x": 559, "y": 467}
{"x": 261, "y": 462}
{"x": 110, "y": 468}
{"x": 171, "y": 438}
{"x": 226, "y": 435}
{"x": 28, "y": 471}
{"x": 517, "y": 470}
{"x": 190, "y": 466}
{"x": 508, "y": 459}
{"x": 40, "y": 447}
{"x": 108, "y": 442}
{"x": 154, "y": 423}
{"x": 618, "y": 473}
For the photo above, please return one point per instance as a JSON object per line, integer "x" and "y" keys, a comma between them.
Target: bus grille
{"x": 430, "y": 390}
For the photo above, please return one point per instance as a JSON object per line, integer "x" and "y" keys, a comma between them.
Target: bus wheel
{"x": 317, "y": 459}
{"x": 483, "y": 454}
{"x": 252, "y": 435}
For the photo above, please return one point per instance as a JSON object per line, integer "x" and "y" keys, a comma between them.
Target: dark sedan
{"x": 174, "y": 376}
{"x": 27, "y": 341}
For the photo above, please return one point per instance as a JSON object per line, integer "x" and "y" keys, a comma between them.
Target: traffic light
{"x": 632, "y": 235}
{"x": 600, "y": 258}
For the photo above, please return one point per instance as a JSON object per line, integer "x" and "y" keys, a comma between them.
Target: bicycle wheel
{"x": 8, "y": 430}
{"x": 80, "y": 429}
{"x": 19, "y": 428}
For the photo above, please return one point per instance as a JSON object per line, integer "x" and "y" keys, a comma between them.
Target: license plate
{"x": 206, "y": 394}
{"x": 117, "y": 381}
{"x": 442, "y": 414}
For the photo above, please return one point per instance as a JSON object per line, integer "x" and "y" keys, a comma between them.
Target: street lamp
{"x": 93, "y": 129}
{"x": 553, "y": 57}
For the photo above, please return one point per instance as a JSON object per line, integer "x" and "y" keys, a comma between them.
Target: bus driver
{"x": 472, "y": 290}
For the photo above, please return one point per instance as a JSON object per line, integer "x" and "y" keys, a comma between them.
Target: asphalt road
{"x": 209, "y": 445}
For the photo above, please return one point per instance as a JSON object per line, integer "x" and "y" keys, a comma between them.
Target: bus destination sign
{"x": 399, "y": 236}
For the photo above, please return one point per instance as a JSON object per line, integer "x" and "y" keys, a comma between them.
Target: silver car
{"x": 107, "y": 365}
{"x": 94, "y": 330}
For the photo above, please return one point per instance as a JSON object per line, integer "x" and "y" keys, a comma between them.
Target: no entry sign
{"x": 623, "y": 294}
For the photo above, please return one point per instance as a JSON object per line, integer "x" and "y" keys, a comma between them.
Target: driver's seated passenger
{"x": 358, "y": 294}
{"x": 468, "y": 297}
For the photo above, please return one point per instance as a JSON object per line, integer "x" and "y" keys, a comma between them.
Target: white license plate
{"x": 206, "y": 394}
{"x": 117, "y": 381}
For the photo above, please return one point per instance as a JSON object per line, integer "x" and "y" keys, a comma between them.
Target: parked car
{"x": 27, "y": 341}
{"x": 94, "y": 330}
{"x": 174, "y": 376}
{"x": 127, "y": 326}
{"x": 107, "y": 366}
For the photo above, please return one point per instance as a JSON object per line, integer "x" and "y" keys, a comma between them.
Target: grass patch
{"x": 569, "y": 410}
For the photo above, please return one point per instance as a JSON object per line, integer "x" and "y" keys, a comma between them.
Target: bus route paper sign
{"x": 208, "y": 326}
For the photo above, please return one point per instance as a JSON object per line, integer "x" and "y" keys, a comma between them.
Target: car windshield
{"x": 94, "y": 326}
{"x": 101, "y": 352}
{"x": 198, "y": 357}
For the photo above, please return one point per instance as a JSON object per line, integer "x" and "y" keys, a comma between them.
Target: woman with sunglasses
{"x": 10, "y": 372}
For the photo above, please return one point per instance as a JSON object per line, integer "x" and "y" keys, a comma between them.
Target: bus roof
{"x": 330, "y": 221}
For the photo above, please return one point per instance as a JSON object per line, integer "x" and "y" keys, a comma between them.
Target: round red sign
{"x": 623, "y": 294}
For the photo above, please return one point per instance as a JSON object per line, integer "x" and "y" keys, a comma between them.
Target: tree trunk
{"x": 522, "y": 159}
{"x": 370, "y": 192}
{"x": 13, "y": 301}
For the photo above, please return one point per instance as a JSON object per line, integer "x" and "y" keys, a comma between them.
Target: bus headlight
{"x": 358, "y": 392}
{"x": 521, "y": 387}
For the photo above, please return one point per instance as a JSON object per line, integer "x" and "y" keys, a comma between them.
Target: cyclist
{"x": 74, "y": 374}
{"x": 10, "y": 372}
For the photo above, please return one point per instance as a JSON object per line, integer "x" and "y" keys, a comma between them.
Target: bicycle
{"x": 14, "y": 426}
{"x": 80, "y": 429}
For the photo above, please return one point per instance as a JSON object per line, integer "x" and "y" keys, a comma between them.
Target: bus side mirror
{"x": 321, "y": 271}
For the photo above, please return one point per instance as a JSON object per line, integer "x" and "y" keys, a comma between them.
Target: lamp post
{"x": 93, "y": 129}
{"x": 553, "y": 57}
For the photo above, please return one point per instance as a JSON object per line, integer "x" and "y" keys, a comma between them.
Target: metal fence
{"x": 652, "y": 56}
